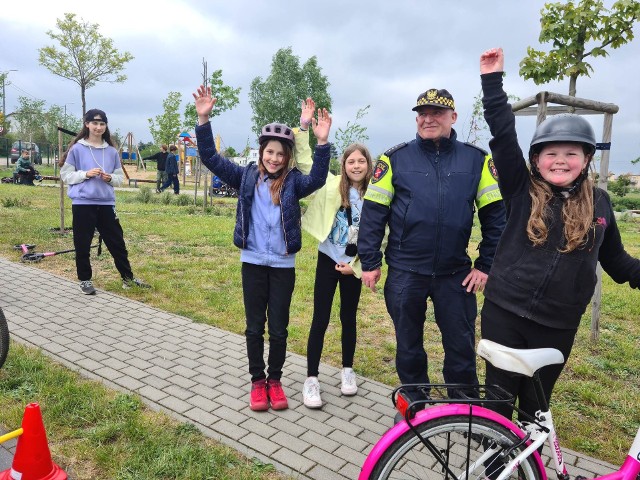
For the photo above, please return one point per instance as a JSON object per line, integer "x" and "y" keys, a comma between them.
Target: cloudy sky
{"x": 377, "y": 53}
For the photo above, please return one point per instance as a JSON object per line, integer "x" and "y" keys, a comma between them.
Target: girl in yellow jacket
{"x": 333, "y": 217}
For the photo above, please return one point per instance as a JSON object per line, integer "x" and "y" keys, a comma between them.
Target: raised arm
{"x": 513, "y": 174}
{"x": 302, "y": 150}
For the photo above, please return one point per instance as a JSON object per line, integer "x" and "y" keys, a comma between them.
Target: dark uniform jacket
{"x": 431, "y": 193}
{"x": 540, "y": 283}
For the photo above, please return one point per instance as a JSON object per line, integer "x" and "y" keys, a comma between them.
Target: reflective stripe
{"x": 379, "y": 190}
{"x": 488, "y": 189}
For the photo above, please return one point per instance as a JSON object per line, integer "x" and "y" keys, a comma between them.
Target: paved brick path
{"x": 198, "y": 374}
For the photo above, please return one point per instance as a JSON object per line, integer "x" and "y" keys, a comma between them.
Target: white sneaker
{"x": 349, "y": 386}
{"x": 311, "y": 393}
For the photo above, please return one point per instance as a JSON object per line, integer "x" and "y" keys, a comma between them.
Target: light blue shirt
{"x": 265, "y": 242}
{"x": 336, "y": 242}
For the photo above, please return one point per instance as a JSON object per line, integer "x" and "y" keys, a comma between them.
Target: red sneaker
{"x": 259, "y": 401}
{"x": 276, "y": 395}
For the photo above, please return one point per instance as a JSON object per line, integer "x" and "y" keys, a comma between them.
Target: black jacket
{"x": 431, "y": 214}
{"x": 540, "y": 283}
{"x": 161, "y": 158}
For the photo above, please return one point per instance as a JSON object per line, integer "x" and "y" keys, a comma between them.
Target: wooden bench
{"x": 142, "y": 180}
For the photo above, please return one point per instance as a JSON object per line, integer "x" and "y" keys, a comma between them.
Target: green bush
{"x": 620, "y": 204}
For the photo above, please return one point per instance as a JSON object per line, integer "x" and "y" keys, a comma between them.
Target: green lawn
{"x": 186, "y": 253}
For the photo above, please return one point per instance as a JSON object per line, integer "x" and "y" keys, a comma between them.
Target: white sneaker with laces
{"x": 311, "y": 393}
{"x": 349, "y": 386}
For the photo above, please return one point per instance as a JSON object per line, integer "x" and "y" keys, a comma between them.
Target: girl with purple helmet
{"x": 268, "y": 233}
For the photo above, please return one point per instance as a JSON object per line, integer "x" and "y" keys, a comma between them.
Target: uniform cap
{"x": 435, "y": 98}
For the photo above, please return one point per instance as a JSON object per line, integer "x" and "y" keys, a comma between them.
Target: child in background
{"x": 335, "y": 209}
{"x": 559, "y": 226}
{"x": 172, "y": 170}
{"x": 268, "y": 233}
{"x": 91, "y": 167}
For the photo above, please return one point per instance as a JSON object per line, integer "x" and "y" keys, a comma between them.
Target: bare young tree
{"x": 84, "y": 57}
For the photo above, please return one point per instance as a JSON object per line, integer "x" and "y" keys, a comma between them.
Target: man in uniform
{"x": 427, "y": 191}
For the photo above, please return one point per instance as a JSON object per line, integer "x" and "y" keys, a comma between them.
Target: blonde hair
{"x": 345, "y": 183}
{"x": 577, "y": 214}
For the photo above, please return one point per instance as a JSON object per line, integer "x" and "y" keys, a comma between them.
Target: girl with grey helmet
{"x": 269, "y": 234}
{"x": 559, "y": 226}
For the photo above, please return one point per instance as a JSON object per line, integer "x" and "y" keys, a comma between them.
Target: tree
{"x": 477, "y": 124}
{"x": 279, "y": 96}
{"x": 56, "y": 116}
{"x": 353, "y": 132}
{"x": 86, "y": 57}
{"x": 28, "y": 120}
{"x": 570, "y": 27}
{"x": 230, "y": 152}
{"x": 166, "y": 127}
{"x": 621, "y": 185}
{"x": 226, "y": 98}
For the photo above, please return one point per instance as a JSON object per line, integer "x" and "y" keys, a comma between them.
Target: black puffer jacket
{"x": 295, "y": 186}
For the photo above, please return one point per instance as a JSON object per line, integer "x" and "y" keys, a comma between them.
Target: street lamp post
{"x": 4, "y": 75}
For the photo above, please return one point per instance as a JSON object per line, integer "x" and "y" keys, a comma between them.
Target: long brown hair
{"x": 84, "y": 133}
{"x": 577, "y": 214}
{"x": 277, "y": 183}
{"x": 345, "y": 183}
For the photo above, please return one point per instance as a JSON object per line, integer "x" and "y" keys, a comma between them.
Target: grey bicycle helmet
{"x": 276, "y": 131}
{"x": 566, "y": 127}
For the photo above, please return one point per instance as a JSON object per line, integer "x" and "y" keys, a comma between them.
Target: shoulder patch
{"x": 379, "y": 171}
{"x": 492, "y": 168}
{"x": 484, "y": 152}
{"x": 393, "y": 150}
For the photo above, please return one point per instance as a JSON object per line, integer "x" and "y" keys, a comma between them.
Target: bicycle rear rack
{"x": 411, "y": 398}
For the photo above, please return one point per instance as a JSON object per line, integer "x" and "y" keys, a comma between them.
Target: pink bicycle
{"x": 458, "y": 438}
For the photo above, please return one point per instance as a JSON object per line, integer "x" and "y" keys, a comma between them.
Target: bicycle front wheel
{"x": 451, "y": 453}
{"x": 4, "y": 338}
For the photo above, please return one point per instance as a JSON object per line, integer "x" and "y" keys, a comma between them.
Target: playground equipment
{"x": 132, "y": 154}
{"x": 32, "y": 460}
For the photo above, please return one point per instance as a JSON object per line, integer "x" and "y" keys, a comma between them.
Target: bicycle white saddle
{"x": 524, "y": 361}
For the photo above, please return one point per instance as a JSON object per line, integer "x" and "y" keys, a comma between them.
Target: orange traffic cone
{"x": 32, "y": 460}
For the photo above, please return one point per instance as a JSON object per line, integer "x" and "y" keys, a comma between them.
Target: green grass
{"x": 186, "y": 253}
{"x": 95, "y": 432}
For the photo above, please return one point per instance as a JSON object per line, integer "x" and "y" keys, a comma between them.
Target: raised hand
{"x": 322, "y": 126}
{"x": 204, "y": 103}
{"x": 306, "y": 112}
{"x": 492, "y": 61}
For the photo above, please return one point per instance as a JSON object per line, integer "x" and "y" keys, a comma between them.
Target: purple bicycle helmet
{"x": 276, "y": 131}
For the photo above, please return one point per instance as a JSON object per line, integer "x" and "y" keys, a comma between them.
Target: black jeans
{"x": 455, "y": 311}
{"x": 88, "y": 218}
{"x": 267, "y": 297}
{"x": 502, "y": 326}
{"x": 327, "y": 279}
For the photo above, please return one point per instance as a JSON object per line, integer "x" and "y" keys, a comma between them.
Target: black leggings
{"x": 502, "y": 326}
{"x": 327, "y": 278}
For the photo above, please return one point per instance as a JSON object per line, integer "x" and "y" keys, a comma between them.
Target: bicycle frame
{"x": 444, "y": 411}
